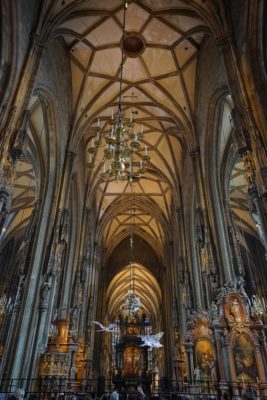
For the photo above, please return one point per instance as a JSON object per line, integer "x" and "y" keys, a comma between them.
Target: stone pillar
{"x": 195, "y": 270}
{"x": 220, "y": 358}
{"x": 227, "y": 270}
{"x": 13, "y": 331}
{"x": 233, "y": 240}
{"x": 93, "y": 296}
{"x": 12, "y": 115}
{"x": 258, "y": 202}
{"x": 83, "y": 261}
{"x": 23, "y": 350}
{"x": 181, "y": 271}
{"x": 59, "y": 232}
{"x": 66, "y": 180}
{"x": 261, "y": 222}
{"x": 52, "y": 279}
{"x": 242, "y": 101}
{"x": 14, "y": 327}
{"x": 189, "y": 349}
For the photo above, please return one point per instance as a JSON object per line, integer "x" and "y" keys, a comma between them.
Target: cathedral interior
{"x": 133, "y": 195}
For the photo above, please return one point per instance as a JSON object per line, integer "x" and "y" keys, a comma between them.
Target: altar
{"x": 132, "y": 359}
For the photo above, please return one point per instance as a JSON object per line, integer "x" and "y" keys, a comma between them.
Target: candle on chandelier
{"x": 91, "y": 157}
{"x": 104, "y": 168}
{"x": 92, "y": 142}
{"x": 141, "y": 164}
{"x": 142, "y": 128}
{"x": 112, "y": 115}
{"x": 131, "y": 117}
{"x": 98, "y": 122}
{"x": 145, "y": 150}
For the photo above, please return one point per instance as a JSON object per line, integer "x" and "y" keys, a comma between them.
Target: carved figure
{"x": 197, "y": 374}
{"x": 213, "y": 369}
{"x": 44, "y": 292}
{"x": 20, "y": 287}
{"x": 188, "y": 336}
{"x": 235, "y": 311}
{"x": 74, "y": 318}
{"x": 214, "y": 311}
{"x": 73, "y": 371}
{"x": 151, "y": 340}
{"x": 240, "y": 286}
{"x": 20, "y": 393}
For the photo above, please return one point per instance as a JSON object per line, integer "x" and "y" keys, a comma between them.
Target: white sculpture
{"x": 110, "y": 328}
{"x": 197, "y": 374}
{"x": 20, "y": 393}
{"x": 151, "y": 340}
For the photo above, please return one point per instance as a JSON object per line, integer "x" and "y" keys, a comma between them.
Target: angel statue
{"x": 110, "y": 328}
{"x": 151, "y": 340}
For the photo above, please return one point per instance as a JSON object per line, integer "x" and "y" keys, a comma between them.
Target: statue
{"x": 74, "y": 319}
{"x": 44, "y": 292}
{"x": 214, "y": 315}
{"x": 212, "y": 366}
{"x": 73, "y": 371}
{"x": 188, "y": 336}
{"x": 197, "y": 374}
{"x": 240, "y": 286}
{"x": 235, "y": 311}
{"x": 20, "y": 393}
{"x": 20, "y": 288}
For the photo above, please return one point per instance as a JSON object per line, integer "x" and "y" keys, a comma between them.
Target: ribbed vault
{"x": 158, "y": 89}
{"x": 145, "y": 286}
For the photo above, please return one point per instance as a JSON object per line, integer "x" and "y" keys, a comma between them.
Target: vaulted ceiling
{"x": 145, "y": 287}
{"x": 158, "y": 88}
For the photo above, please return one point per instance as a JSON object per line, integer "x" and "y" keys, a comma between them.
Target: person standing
{"x": 140, "y": 393}
{"x": 115, "y": 394}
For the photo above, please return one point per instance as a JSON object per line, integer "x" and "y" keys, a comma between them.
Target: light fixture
{"x": 132, "y": 301}
{"x": 5, "y": 306}
{"x": 121, "y": 140}
{"x": 258, "y": 306}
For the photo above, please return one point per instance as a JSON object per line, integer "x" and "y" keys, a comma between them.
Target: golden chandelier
{"x": 120, "y": 140}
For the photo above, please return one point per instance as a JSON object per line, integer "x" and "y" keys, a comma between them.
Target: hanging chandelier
{"x": 257, "y": 306}
{"x": 5, "y": 306}
{"x": 132, "y": 301}
{"x": 121, "y": 141}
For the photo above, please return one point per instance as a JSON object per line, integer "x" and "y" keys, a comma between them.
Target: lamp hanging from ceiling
{"x": 121, "y": 139}
{"x": 132, "y": 301}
